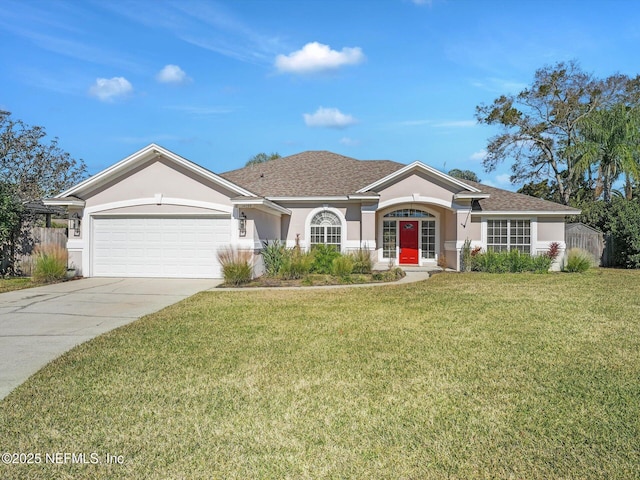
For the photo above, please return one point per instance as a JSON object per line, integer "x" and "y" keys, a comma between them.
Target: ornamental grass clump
{"x": 50, "y": 263}
{"x": 342, "y": 266}
{"x": 362, "y": 261}
{"x": 237, "y": 265}
{"x": 296, "y": 264}
{"x": 578, "y": 261}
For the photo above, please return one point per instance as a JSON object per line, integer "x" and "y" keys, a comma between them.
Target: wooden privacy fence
{"x": 41, "y": 236}
{"x": 579, "y": 235}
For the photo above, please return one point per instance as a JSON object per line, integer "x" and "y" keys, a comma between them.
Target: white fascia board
{"x": 261, "y": 202}
{"x": 528, "y": 213}
{"x": 364, "y": 197}
{"x": 418, "y": 166}
{"x": 148, "y": 152}
{"x": 64, "y": 202}
{"x": 470, "y": 196}
{"x": 336, "y": 198}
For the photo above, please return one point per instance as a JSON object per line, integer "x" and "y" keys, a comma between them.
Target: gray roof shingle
{"x": 309, "y": 174}
{"x": 323, "y": 173}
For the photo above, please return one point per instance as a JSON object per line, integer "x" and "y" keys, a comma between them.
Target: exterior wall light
{"x": 75, "y": 224}
{"x": 243, "y": 225}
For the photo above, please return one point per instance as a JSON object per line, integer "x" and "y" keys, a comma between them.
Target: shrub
{"x": 513, "y": 261}
{"x": 578, "y": 261}
{"x": 541, "y": 263}
{"x": 296, "y": 264}
{"x": 237, "y": 265}
{"x": 323, "y": 257}
{"x": 274, "y": 255}
{"x": 362, "y": 261}
{"x": 342, "y": 266}
{"x": 390, "y": 275}
{"x": 50, "y": 263}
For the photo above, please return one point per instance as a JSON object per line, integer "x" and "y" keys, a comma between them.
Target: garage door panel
{"x": 158, "y": 247}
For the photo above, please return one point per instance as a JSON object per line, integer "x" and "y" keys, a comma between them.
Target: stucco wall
{"x": 418, "y": 183}
{"x": 300, "y": 215}
{"x": 159, "y": 177}
{"x": 551, "y": 229}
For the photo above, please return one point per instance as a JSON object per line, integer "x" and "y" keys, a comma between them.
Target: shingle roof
{"x": 506, "y": 201}
{"x": 323, "y": 173}
{"x": 312, "y": 173}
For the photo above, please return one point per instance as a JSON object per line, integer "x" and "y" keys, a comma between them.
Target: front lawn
{"x": 462, "y": 376}
{"x": 16, "y": 283}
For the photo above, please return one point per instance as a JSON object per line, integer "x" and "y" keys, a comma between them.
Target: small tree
{"x": 262, "y": 158}
{"x": 464, "y": 175}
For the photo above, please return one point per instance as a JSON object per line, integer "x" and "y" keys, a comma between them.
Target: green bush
{"x": 274, "y": 254}
{"x": 578, "y": 261}
{"x": 50, "y": 263}
{"x": 390, "y": 275}
{"x": 342, "y": 266}
{"x": 323, "y": 257}
{"x": 362, "y": 261}
{"x": 237, "y": 267}
{"x": 620, "y": 220}
{"x": 541, "y": 263}
{"x": 296, "y": 264}
{"x": 513, "y": 261}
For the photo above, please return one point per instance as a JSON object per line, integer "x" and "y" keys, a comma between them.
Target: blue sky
{"x": 218, "y": 82}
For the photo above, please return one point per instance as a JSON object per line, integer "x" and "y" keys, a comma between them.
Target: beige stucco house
{"x": 156, "y": 214}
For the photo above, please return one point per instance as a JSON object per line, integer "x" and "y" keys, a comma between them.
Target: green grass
{"x": 18, "y": 283}
{"x": 462, "y": 376}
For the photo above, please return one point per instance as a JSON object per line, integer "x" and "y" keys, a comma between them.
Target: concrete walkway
{"x": 39, "y": 324}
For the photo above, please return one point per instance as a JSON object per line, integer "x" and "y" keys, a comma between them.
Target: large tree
{"x": 540, "y": 125}
{"x": 31, "y": 167}
{"x": 611, "y": 143}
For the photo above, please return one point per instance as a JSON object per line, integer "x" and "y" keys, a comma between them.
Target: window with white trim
{"x": 509, "y": 234}
{"x": 389, "y": 234}
{"x": 326, "y": 229}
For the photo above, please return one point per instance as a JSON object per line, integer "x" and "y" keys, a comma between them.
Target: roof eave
{"x": 64, "y": 202}
{"x": 260, "y": 203}
{"x": 530, "y": 213}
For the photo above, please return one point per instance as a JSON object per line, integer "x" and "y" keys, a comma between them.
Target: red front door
{"x": 409, "y": 242}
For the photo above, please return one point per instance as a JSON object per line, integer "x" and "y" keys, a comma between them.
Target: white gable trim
{"x": 418, "y": 166}
{"x": 421, "y": 199}
{"x": 147, "y": 153}
{"x": 160, "y": 200}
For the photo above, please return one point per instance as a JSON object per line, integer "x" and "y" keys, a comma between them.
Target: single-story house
{"x": 157, "y": 214}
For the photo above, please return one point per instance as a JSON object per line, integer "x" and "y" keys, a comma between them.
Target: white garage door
{"x": 158, "y": 247}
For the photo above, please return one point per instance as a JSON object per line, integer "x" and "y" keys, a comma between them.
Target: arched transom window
{"x": 326, "y": 229}
{"x": 427, "y": 226}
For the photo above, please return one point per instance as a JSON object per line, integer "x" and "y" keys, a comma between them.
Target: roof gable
{"x": 421, "y": 167}
{"x": 129, "y": 164}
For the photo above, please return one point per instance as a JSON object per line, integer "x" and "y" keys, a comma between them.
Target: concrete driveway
{"x": 39, "y": 324}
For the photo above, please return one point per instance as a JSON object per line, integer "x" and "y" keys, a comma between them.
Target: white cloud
{"x": 478, "y": 156}
{"x": 329, "y": 118}
{"x": 349, "y": 142}
{"x": 316, "y": 57}
{"x": 172, "y": 74}
{"x": 107, "y": 89}
{"x": 421, "y": 2}
{"x": 504, "y": 179}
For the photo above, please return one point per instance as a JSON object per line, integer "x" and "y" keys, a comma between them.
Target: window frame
{"x": 512, "y": 233}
